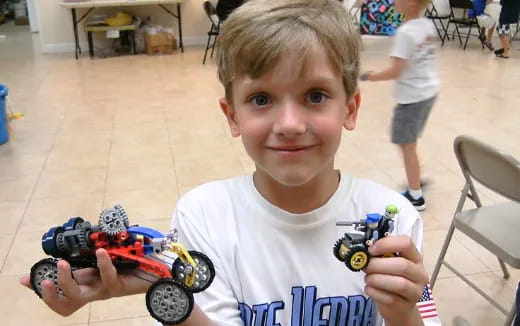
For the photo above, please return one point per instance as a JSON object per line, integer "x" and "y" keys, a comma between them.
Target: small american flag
{"x": 426, "y": 304}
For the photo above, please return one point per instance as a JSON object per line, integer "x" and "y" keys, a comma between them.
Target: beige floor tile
{"x": 11, "y": 214}
{"x": 78, "y": 155}
{"x": 124, "y": 154}
{"x": 143, "y": 206}
{"x": 17, "y": 164}
{"x": 83, "y": 136}
{"x": 125, "y": 322}
{"x": 44, "y": 213}
{"x": 140, "y": 177}
{"x": 26, "y": 250}
{"x": 118, "y": 308}
{"x": 70, "y": 182}
{"x": 5, "y": 244}
{"x": 154, "y": 133}
{"x": 192, "y": 173}
{"x": 458, "y": 255}
{"x": 454, "y": 298}
{"x": 23, "y": 307}
{"x": 17, "y": 188}
{"x": 199, "y": 148}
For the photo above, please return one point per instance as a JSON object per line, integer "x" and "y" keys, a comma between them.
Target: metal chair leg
{"x": 206, "y": 52}
{"x": 504, "y": 269}
{"x": 442, "y": 254}
{"x": 467, "y": 36}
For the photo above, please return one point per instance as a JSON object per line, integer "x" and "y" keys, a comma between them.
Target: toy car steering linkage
{"x": 131, "y": 248}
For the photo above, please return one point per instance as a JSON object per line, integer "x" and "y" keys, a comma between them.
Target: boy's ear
{"x": 229, "y": 112}
{"x": 352, "y": 111}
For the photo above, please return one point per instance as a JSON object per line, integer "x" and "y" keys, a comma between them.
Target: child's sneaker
{"x": 419, "y": 203}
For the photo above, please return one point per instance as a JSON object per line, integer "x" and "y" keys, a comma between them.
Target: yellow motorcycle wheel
{"x": 358, "y": 260}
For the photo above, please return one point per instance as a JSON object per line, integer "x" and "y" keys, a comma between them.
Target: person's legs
{"x": 490, "y": 33}
{"x": 504, "y": 40}
{"x": 411, "y": 165}
{"x": 407, "y": 125}
{"x": 503, "y": 33}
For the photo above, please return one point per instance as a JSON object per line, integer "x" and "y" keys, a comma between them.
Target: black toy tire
{"x": 201, "y": 260}
{"x": 337, "y": 247}
{"x": 357, "y": 259}
{"x": 40, "y": 271}
{"x": 167, "y": 312}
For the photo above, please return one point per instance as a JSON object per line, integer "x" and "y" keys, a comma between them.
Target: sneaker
{"x": 418, "y": 203}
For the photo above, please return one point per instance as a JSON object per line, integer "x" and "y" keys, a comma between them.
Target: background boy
{"x": 290, "y": 70}
{"x": 416, "y": 86}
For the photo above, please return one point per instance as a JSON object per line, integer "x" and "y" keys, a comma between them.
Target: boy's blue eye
{"x": 261, "y": 100}
{"x": 316, "y": 97}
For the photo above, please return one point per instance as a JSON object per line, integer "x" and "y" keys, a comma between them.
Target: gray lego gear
{"x": 83, "y": 234}
{"x": 60, "y": 242}
{"x": 123, "y": 214}
{"x": 113, "y": 220}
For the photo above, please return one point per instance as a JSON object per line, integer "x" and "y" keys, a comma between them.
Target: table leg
{"x": 75, "y": 26}
{"x": 180, "y": 26}
{"x": 90, "y": 44}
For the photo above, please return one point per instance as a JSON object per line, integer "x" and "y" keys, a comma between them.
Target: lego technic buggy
{"x": 352, "y": 248}
{"x": 132, "y": 248}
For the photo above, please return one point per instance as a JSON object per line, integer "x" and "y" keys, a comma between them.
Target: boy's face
{"x": 290, "y": 123}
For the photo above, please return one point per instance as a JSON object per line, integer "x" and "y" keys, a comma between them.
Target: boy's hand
{"x": 365, "y": 76}
{"x": 396, "y": 283}
{"x": 87, "y": 285}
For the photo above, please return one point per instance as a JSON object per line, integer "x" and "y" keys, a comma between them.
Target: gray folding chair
{"x": 495, "y": 227}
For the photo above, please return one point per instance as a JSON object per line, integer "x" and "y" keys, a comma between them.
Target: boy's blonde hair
{"x": 257, "y": 34}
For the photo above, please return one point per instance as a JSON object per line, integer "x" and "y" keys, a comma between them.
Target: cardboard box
{"x": 160, "y": 43}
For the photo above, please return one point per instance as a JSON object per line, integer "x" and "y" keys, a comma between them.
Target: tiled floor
{"x": 142, "y": 130}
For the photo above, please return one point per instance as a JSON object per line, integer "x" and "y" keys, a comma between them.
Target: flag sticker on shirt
{"x": 426, "y": 304}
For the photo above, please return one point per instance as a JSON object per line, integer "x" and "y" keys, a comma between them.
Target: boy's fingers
{"x": 401, "y": 244}
{"x": 381, "y": 296}
{"x": 26, "y": 281}
{"x": 397, "y": 266}
{"x": 395, "y": 285}
{"x": 107, "y": 271}
{"x": 66, "y": 283}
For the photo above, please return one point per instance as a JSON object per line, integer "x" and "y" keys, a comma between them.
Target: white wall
{"x": 57, "y": 34}
{"x": 33, "y": 15}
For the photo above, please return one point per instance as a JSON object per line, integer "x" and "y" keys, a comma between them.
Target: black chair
{"x": 211, "y": 12}
{"x": 462, "y": 7}
{"x": 438, "y": 14}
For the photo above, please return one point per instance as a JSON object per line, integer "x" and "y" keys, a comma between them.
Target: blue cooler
{"x": 4, "y": 134}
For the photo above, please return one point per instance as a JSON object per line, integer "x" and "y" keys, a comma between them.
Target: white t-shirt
{"x": 277, "y": 268}
{"x": 414, "y": 43}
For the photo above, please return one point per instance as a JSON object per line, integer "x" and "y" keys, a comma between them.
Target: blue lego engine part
{"x": 49, "y": 245}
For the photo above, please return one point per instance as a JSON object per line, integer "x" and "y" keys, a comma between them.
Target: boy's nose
{"x": 290, "y": 120}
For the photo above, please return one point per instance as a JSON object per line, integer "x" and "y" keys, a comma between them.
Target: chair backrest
{"x": 211, "y": 12}
{"x": 439, "y": 8}
{"x": 461, "y": 4}
{"x": 494, "y": 169}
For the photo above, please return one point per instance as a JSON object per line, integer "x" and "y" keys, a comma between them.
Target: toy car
{"x": 352, "y": 248}
{"x": 170, "y": 297}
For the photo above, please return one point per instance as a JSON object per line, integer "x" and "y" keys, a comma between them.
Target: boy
{"x": 289, "y": 69}
{"x": 508, "y": 16}
{"x": 416, "y": 86}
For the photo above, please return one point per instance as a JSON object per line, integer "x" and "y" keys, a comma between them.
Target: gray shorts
{"x": 409, "y": 120}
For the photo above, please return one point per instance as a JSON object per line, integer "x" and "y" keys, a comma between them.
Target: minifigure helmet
{"x": 391, "y": 209}
{"x": 373, "y": 218}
